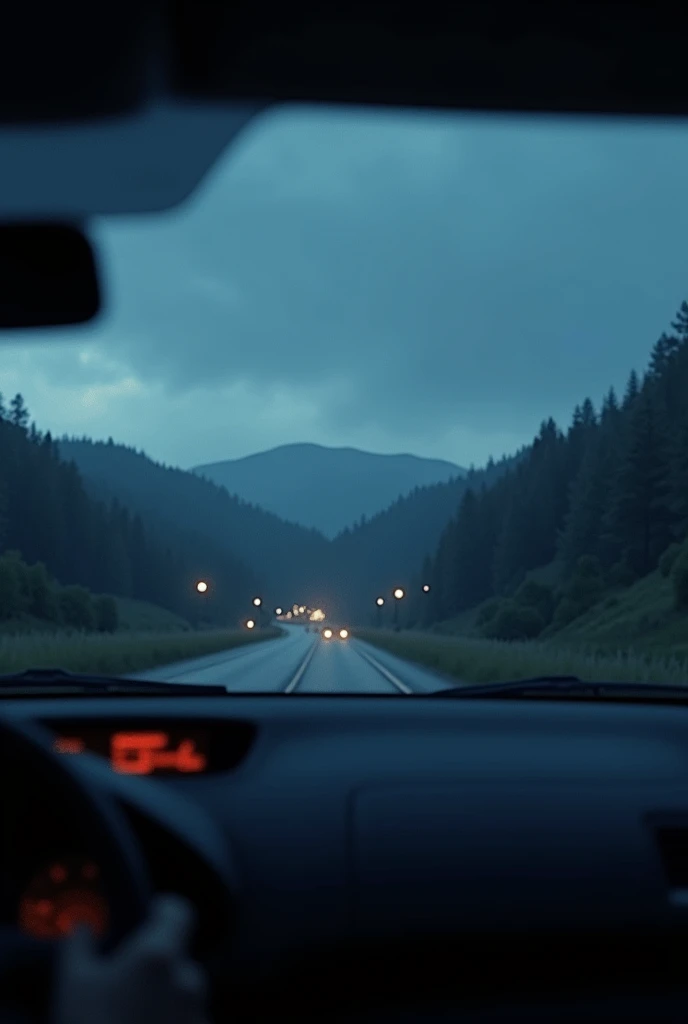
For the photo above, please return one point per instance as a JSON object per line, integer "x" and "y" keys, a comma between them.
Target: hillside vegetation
{"x": 547, "y": 551}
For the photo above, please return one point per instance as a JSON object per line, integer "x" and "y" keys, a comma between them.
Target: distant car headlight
{"x": 327, "y": 633}
{"x": 343, "y": 633}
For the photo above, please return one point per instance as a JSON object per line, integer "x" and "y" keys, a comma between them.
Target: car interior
{"x": 350, "y": 858}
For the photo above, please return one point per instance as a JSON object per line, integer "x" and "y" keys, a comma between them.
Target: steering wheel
{"x": 26, "y": 965}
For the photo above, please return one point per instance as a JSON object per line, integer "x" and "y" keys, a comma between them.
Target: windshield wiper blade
{"x": 570, "y": 688}
{"x": 58, "y": 680}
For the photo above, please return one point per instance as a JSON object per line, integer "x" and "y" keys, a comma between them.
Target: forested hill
{"x": 389, "y": 549}
{"x": 281, "y": 554}
{"x": 601, "y": 500}
{"x": 47, "y": 516}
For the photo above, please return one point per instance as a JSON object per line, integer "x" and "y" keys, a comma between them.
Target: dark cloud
{"x": 413, "y": 275}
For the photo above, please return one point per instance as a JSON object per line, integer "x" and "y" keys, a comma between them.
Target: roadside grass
{"x": 473, "y": 660}
{"x": 118, "y": 653}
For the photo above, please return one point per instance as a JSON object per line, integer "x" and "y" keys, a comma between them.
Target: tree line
{"x": 605, "y": 500}
{"x": 49, "y": 518}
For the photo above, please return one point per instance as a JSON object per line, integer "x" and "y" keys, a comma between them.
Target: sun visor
{"x": 147, "y": 162}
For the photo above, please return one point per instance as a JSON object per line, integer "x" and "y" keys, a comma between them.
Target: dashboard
{"x": 407, "y": 855}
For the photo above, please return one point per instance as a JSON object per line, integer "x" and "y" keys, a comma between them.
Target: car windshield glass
{"x": 392, "y": 401}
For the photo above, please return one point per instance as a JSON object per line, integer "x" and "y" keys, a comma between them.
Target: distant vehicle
{"x": 330, "y": 633}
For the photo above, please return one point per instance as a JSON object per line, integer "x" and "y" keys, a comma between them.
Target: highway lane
{"x": 302, "y": 662}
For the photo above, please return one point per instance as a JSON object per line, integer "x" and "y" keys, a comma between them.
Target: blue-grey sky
{"x": 396, "y": 282}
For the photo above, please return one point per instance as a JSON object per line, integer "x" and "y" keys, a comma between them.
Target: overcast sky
{"x": 397, "y": 283}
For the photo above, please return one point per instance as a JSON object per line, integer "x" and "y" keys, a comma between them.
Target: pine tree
{"x": 680, "y": 324}
{"x": 19, "y": 414}
{"x": 588, "y": 499}
{"x": 632, "y": 390}
{"x": 663, "y": 355}
{"x": 638, "y": 515}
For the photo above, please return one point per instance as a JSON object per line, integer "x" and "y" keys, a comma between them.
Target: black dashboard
{"x": 393, "y": 856}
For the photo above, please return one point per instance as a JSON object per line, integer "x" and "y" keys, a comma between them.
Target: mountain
{"x": 173, "y": 502}
{"x": 327, "y": 489}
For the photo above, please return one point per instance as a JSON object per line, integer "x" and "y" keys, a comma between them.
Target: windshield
{"x": 395, "y": 398}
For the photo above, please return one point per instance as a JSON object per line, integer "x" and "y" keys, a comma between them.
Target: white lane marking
{"x": 298, "y": 675}
{"x": 384, "y": 671}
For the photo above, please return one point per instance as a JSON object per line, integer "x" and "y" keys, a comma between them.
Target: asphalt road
{"x": 302, "y": 662}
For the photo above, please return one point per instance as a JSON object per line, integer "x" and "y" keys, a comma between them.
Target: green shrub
{"x": 583, "y": 590}
{"x": 566, "y": 611}
{"x": 621, "y": 574}
{"x": 516, "y": 622}
{"x": 43, "y": 598}
{"x": 487, "y": 612}
{"x": 106, "y": 614}
{"x": 538, "y": 596}
{"x": 668, "y": 559}
{"x": 77, "y": 608}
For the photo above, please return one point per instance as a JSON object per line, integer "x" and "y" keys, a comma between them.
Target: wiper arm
{"x": 570, "y": 688}
{"x": 58, "y": 680}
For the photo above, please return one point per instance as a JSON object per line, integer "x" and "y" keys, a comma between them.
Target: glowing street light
{"x": 257, "y": 601}
{"x": 250, "y": 624}
{"x": 278, "y": 611}
{"x": 426, "y": 588}
{"x": 302, "y": 609}
{"x": 380, "y": 601}
{"x": 201, "y": 586}
{"x": 398, "y": 593}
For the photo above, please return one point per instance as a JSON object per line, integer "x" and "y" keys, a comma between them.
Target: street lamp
{"x": 398, "y": 594}
{"x": 426, "y": 588}
{"x": 278, "y": 611}
{"x": 257, "y": 601}
{"x": 379, "y": 602}
{"x": 250, "y": 624}
{"x": 202, "y": 587}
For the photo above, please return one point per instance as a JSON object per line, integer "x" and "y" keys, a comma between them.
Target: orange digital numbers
{"x": 142, "y": 753}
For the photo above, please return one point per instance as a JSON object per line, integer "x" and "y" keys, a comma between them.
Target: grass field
{"x": 473, "y": 660}
{"x": 118, "y": 653}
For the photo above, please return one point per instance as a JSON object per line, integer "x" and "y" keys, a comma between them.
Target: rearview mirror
{"x": 48, "y": 276}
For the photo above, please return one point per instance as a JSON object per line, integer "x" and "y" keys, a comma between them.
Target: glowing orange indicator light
{"x": 141, "y": 753}
{"x": 69, "y": 745}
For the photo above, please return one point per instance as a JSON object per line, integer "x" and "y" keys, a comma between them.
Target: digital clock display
{"x": 141, "y": 751}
